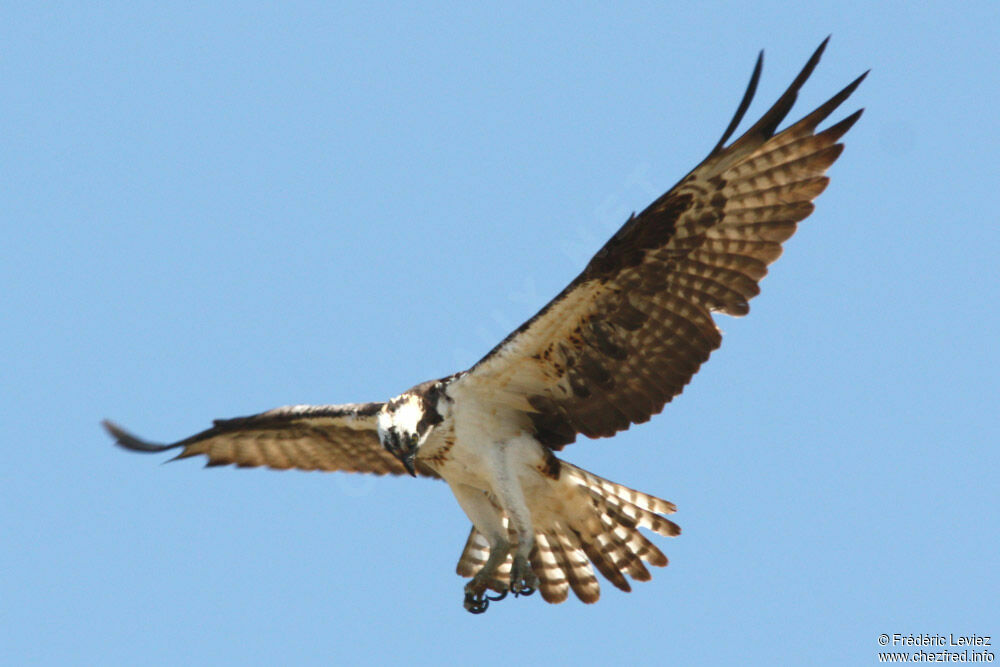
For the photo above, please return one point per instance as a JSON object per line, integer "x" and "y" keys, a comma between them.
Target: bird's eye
{"x": 413, "y": 439}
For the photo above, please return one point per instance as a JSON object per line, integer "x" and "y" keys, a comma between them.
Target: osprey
{"x": 609, "y": 351}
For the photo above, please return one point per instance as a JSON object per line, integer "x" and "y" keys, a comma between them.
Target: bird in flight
{"x": 609, "y": 351}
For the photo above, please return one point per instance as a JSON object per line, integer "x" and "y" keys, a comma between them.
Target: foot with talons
{"x": 477, "y": 598}
{"x": 522, "y": 578}
{"x": 476, "y": 604}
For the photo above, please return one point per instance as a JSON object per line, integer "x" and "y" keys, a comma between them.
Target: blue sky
{"x": 212, "y": 211}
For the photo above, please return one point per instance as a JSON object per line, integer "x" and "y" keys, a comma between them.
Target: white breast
{"x": 490, "y": 445}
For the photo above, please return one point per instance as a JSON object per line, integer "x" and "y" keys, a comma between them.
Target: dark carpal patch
{"x": 552, "y": 466}
{"x": 652, "y": 229}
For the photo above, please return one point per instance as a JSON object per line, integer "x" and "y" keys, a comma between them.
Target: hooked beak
{"x": 403, "y": 447}
{"x": 408, "y": 463}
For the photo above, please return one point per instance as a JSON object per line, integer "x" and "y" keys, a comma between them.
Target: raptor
{"x": 619, "y": 342}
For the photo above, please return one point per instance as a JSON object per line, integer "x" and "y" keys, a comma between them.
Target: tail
{"x": 602, "y": 529}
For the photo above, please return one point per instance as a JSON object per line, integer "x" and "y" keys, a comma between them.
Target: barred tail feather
{"x": 610, "y": 489}
{"x": 474, "y": 555}
{"x": 644, "y": 510}
{"x": 581, "y": 575}
{"x": 549, "y": 563}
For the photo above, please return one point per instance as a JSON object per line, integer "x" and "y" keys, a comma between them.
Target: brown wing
{"x": 629, "y": 332}
{"x": 324, "y": 437}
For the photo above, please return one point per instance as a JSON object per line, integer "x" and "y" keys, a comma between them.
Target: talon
{"x": 499, "y": 597}
{"x": 522, "y": 589}
{"x": 526, "y": 591}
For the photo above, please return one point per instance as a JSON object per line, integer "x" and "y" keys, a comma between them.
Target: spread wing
{"x": 631, "y": 330}
{"x": 322, "y": 437}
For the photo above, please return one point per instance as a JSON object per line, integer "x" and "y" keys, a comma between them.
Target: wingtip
{"x": 126, "y": 440}
{"x": 113, "y": 429}
{"x": 743, "y": 106}
{"x": 822, "y": 45}
{"x": 853, "y": 85}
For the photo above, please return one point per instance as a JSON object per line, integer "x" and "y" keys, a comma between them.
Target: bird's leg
{"x": 476, "y": 599}
{"x": 522, "y": 577}
{"x": 488, "y": 519}
{"x": 507, "y": 487}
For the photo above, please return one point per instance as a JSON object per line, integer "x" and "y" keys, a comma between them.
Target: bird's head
{"x": 404, "y": 423}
